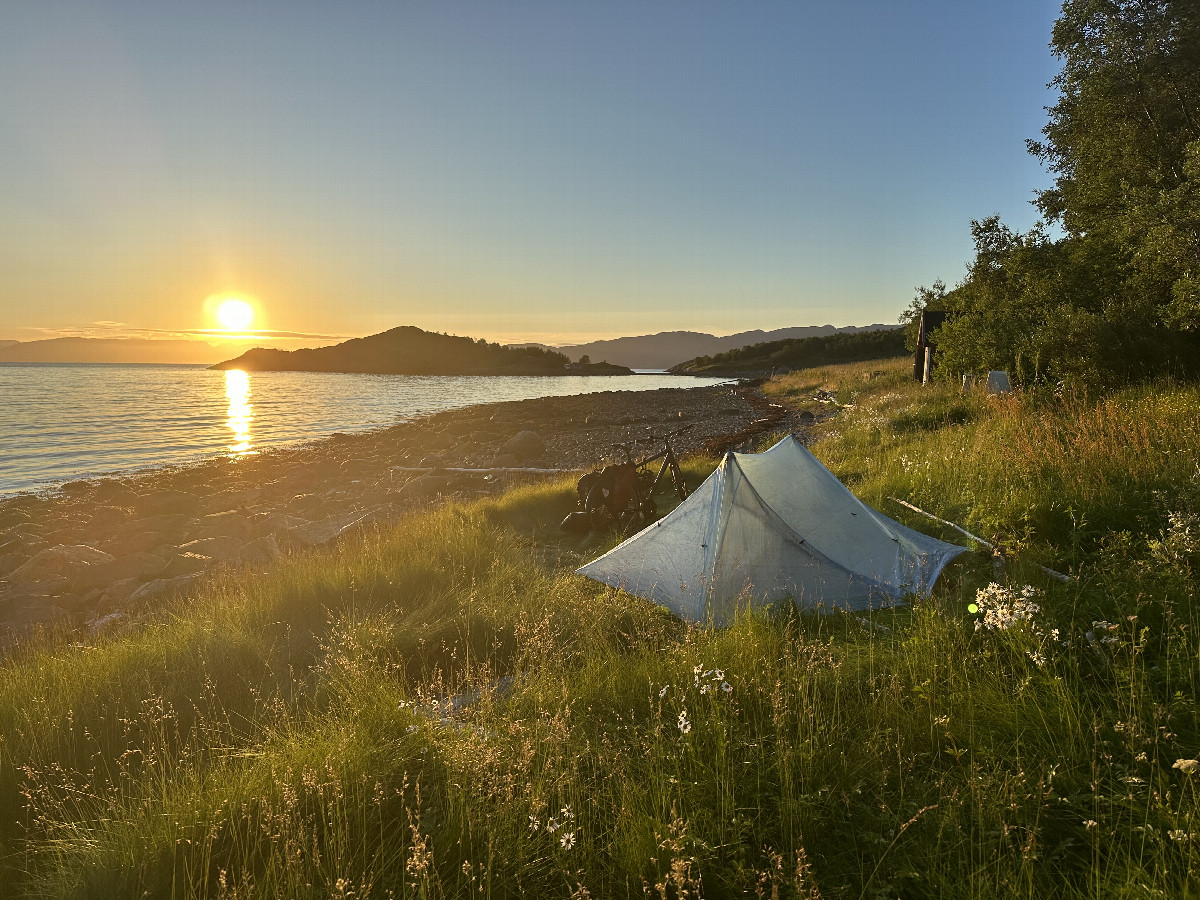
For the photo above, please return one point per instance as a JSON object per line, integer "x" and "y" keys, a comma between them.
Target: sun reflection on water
{"x": 241, "y": 413}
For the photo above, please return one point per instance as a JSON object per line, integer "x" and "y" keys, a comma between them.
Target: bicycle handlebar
{"x": 628, "y": 448}
{"x": 670, "y": 434}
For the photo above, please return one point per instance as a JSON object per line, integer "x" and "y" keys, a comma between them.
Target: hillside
{"x": 410, "y": 351}
{"x": 884, "y": 343}
{"x": 665, "y": 349}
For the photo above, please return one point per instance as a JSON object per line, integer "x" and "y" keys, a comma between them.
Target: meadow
{"x": 441, "y": 708}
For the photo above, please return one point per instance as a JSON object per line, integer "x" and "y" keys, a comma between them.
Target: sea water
{"x": 60, "y": 422}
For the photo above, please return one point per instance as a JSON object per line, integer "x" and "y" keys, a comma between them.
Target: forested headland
{"x": 411, "y": 351}
{"x": 795, "y": 353}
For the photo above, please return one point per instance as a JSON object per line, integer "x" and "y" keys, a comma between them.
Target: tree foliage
{"x": 1115, "y": 296}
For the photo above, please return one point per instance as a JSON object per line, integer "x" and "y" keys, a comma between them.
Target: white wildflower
{"x": 1180, "y": 541}
{"x": 1187, "y": 766}
{"x": 662, "y": 693}
{"x": 726, "y": 686}
{"x": 1178, "y": 834}
{"x": 1003, "y": 608}
{"x": 1090, "y": 823}
{"x": 534, "y": 824}
{"x": 567, "y": 840}
{"x": 1103, "y": 632}
{"x": 685, "y": 726}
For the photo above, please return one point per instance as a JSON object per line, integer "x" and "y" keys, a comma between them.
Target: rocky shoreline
{"x": 93, "y": 554}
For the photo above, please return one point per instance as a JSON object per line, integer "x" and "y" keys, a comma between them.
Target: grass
{"x": 440, "y": 708}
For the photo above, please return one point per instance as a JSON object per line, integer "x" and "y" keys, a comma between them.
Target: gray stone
{"x": 161, "y": 587}
{"x": 218, "y": 548}
{"x": 166, "y": 524}
{"x": 997, "y": 382}
{"x": 60, "y": 560}
{"x": 264, "y": 550}
{"x": 287, "y": 523}
{"x": 108, "y": 624}
{"x": 48, "y": 585}
{"x": 12, "y": 517}
{"x": 186, "y": 564}
{"x": 142, "y": 542}
{"x": 233, "y": 523}
{"x": 227, "y": 501}
{"x": 524, "y": 445}
{"x": 169, "y": 503}
{"x": 134, "y": 565}
{"x": 316, "y": 533}
{"x": 10, "y": 561}
{"x": 119, "y": 591}
{"x": 114, "y": 493}
{"x": 107, "y": 516}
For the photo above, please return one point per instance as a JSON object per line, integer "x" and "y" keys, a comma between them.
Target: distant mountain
{"x": 113, "y": 350}
{"x": 410, "y": 351}
{"x": 667, "y": 348}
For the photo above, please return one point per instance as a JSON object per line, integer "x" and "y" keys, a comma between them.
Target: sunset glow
{"x": 235, "y": 314}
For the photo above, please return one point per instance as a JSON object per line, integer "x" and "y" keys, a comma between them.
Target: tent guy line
{"x": 1057, "y": 576}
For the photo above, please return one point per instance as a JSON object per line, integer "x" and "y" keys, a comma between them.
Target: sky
{"x": 541, "y": 171}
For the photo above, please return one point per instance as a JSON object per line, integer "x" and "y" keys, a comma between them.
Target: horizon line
{"x": 153, "y": 335}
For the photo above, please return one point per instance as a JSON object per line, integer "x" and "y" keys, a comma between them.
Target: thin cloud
{"x": 258, "y": 334}
{"x": 120, "y": 330}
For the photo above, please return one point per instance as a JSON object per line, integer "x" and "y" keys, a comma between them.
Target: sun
{"x": 235, "y": 314}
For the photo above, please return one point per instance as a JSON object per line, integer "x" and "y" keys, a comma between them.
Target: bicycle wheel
{"x": 681, "y": 489}
{"x": 597, "y": 510}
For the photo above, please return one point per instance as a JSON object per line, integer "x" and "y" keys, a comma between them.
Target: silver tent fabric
{"x": 772, "y": 526}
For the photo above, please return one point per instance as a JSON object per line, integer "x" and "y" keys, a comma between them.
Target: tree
{"x": 1117, "y": 297}
{"x": 1123, "y": 142}
{"x": 585, "y": 360}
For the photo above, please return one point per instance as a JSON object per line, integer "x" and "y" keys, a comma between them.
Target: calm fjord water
{"x": 59, "y": 422}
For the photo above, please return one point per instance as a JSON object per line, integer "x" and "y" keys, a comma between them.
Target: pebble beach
{"x": 96, "y": 554}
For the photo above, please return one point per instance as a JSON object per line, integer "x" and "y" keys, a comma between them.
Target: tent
{"x": 771, "y": 526}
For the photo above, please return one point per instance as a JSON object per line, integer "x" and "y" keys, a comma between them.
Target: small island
{"x": 408, "y": 350}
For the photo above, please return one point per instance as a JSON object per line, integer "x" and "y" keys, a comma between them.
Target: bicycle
{"x": 622, "y": 494}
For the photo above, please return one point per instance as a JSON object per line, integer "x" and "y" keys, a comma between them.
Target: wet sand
{"x": 95, "y": 554}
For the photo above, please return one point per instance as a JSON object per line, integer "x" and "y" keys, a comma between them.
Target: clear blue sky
{"x": 513, "y": 170}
